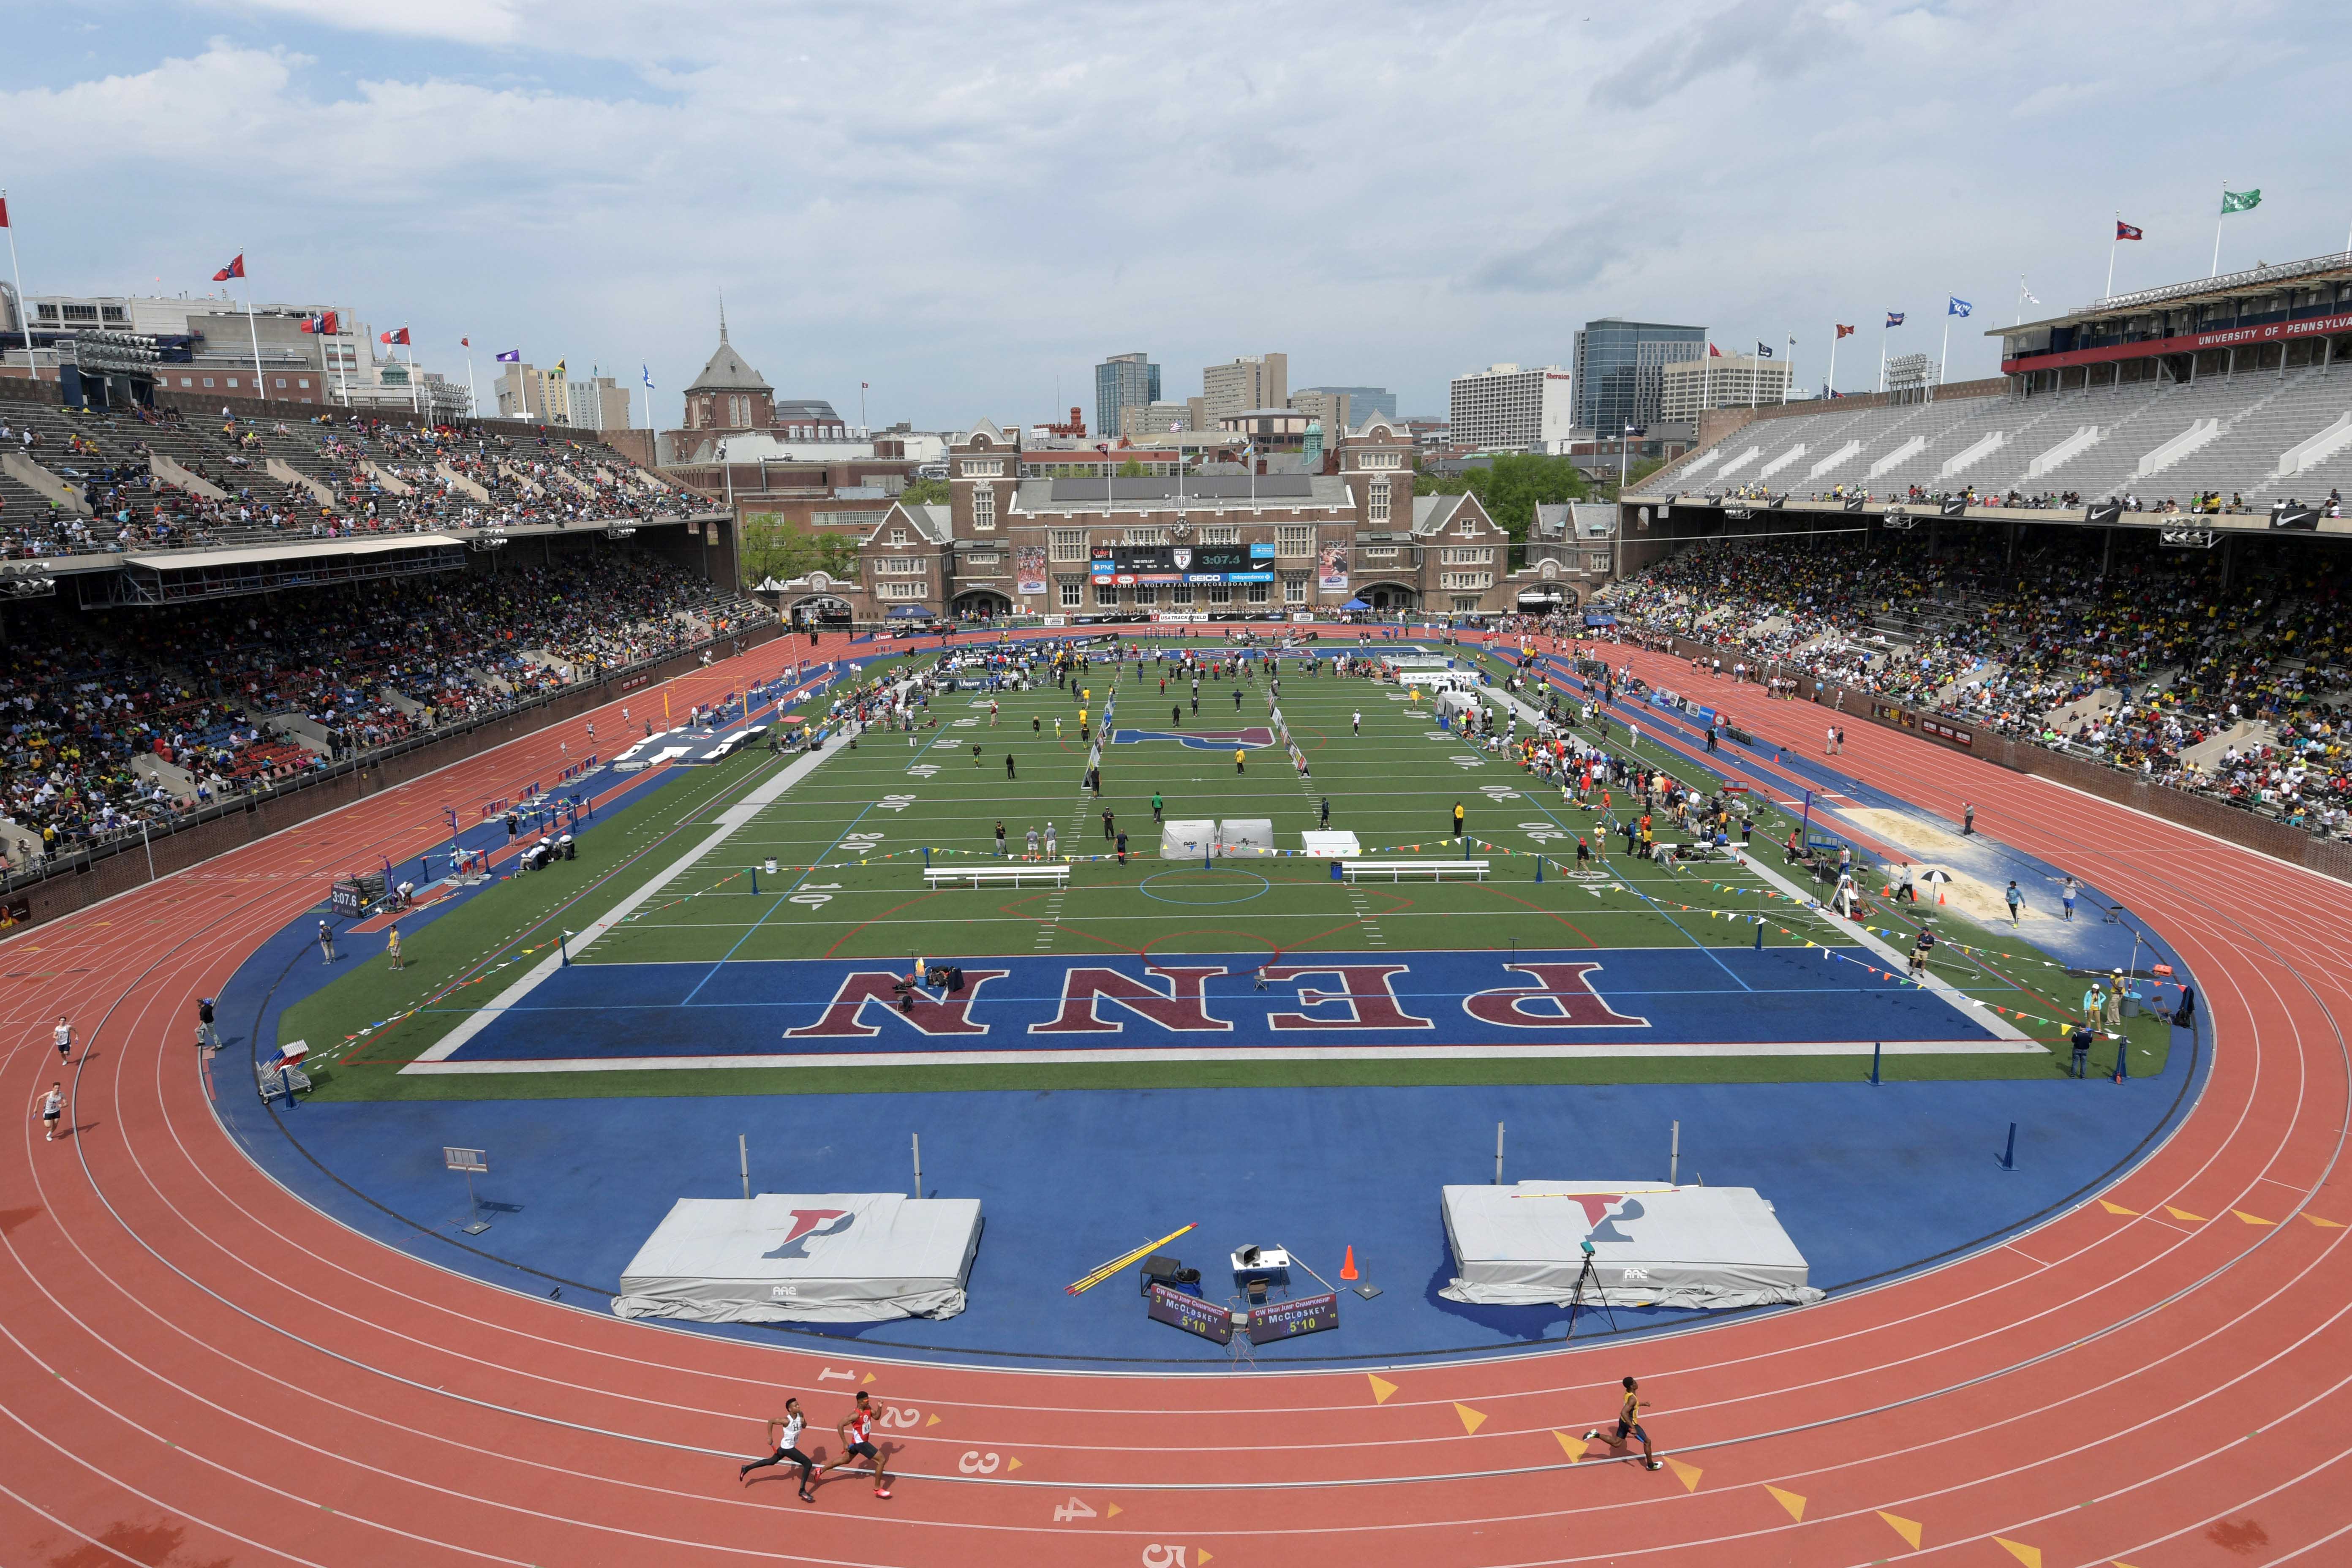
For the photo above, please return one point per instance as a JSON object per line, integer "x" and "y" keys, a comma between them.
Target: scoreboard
{"x": 1287, "y": 1320}
{"x": 1190, "y": 1314}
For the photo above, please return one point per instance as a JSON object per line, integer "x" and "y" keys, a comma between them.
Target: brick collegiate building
{"x": 1022, "y": 536}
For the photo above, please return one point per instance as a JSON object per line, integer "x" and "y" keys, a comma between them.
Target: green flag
{"x": 2239, "y": 201}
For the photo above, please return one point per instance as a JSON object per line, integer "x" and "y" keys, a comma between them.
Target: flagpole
{"x": 1789, "y": 382}
{"x": 1944, "y": 354}
{"x": 1882, "y": 353}
{"x": 2217, "y": 230}
{"x": 473, "y": 404}
{"x": 411, "y": 347}
{"x": 2114, "y": 239}
{"x": 24, "y": 306}
{"x": 1834, "y": 341}
{"x": 254, "y": 329}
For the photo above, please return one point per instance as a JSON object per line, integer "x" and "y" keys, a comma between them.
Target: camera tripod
{"x": 1587, "y": 1278}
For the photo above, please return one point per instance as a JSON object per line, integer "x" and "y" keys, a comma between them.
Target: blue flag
{"x": 1957, "y": 307}
{"x": 647, "y": 372}
{"x": 1763, "y": 351}
{"x": 1894, "y": 318}
{"x": 513, "y": 356}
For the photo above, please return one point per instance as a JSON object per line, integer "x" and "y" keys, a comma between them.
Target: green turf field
{"x": 849, "y": 841}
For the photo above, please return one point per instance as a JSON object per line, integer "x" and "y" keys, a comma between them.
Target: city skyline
{"x": 581, "y": 189}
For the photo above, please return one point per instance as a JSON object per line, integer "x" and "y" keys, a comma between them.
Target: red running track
{"x": 197, "y": 1368}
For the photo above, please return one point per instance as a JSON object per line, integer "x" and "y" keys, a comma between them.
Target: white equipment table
{"x": 1398, "y": 870}
{"x": 1057, "y": 874}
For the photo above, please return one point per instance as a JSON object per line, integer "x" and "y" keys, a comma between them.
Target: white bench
{"x": 1398, "y": 870}
{"x": 1055, "y": 872}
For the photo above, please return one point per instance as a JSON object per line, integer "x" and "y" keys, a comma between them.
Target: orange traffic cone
{"x": 1939, "y": 895}
{"x": 1347, "y": 1266}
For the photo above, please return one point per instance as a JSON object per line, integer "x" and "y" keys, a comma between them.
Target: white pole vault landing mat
{"x": 1652, "y": 1245}
{"x": 809, "y": 1257}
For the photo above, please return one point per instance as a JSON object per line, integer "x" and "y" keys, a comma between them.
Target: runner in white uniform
{"x": 856, "y": 1437}
{"x": 784, "y": 1437}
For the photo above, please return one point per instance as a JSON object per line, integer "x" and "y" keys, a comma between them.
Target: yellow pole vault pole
{"x": 1115, "y": 1263}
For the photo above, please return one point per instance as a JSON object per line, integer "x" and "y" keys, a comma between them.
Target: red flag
{"x": 465, "y": 342}
{"x": 1845, "y": 331}
{"x": 234, "y": 269}
{"x": 397, "y": 335}
{"x": 1713, "y": 353}
{"x": 2126, "y": 230}
{"x": 4, "y": 211}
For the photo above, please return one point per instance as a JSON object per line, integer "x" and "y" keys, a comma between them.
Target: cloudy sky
{"x": 966, "y": 204}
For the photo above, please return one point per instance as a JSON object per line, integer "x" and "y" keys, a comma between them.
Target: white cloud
{"x": 960, "y": 203}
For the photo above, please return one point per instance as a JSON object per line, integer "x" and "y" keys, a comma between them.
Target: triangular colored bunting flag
{"x": 2029, "y": 1555}
{"x": 1381, "y": 1389}
{"x": 1789, "y": 1500}
{"x": 1908, "y": 1528}
{"x": 2329, "y": 1223}
{"x": 2184, "y": 1214}
{"x": 2253, "y": 1219}
{"x": 1471, "y": 1419}
{"x": 2116, "y": 1208}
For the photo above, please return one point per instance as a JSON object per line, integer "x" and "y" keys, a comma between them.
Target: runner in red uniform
{"x": 856, "y": 1437}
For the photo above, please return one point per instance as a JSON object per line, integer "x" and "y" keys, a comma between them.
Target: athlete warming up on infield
{"x": 857, "y": 1431}
{"x": 784, "y": 1438}
{"x": 1629, "y": 1425}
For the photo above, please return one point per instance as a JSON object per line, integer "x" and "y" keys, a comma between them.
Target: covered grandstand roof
{"x": 2288, "y": 301}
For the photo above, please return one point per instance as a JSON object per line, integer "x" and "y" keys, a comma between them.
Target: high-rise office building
{"x": 1260, "y": 380}
{"x": 1363, "y": 402}
{"x": 1510, "y": 409}
{"x": 1123, "y": 380}
{"x": 1619, "y": 370}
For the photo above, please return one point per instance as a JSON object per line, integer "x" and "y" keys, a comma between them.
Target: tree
{"x": 926, "y": 492}
{"x": 773, "y": 546}
{"x": 1637, "y": 474}
{"x": 1510, "y": 489}
{"x": 1131, "y": 470}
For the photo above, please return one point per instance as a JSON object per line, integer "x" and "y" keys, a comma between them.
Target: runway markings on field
{"x": 2253, "y": 1219}
{"x": 2116, "y": 1208}
{"x": 1910, "y": 1529}
{"x": 2184, "y": 1215}
{"x": 1686, "y": 1474}
{"x": 1471, "y": 1419}
{"x": 1382, "y": 1388}
{"x": 2328, "y": 1224}
{"x": 1789, "y": 1500}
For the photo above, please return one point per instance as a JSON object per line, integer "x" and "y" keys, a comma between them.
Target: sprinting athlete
{"x": 856, "y": 1437}
{"x": 784, "y": 1438}
{"x": 1629, "y": 1425}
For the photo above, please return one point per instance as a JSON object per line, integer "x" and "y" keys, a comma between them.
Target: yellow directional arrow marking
{"x": 1381, "y": 1389}
{"x": 2029, "y": 1555}
{"x": 1789, "y": 1500}
{"x": 1572, "y": 1447}
{"x": 1471, "y": 1419}
{"x": 1908, "y": 1528}
{"x": 869, "y": 1377}
{"x": 2184, "y": 1214}
{"x": 1113, "y": 1512}
{"x": 2330, "y": 1224}
{"x": 2253, "y": 1219}
{"x": 932, "y": 1422}
{"x": 1010, "y": 1463}
{"x": 2116, "y": 1208}
{"x": 1686, "y": 1474}
{"x": 1204, "y": 1556}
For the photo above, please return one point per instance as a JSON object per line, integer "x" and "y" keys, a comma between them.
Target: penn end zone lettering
{"x": 1181, "y": 1007}
{"x": 949, "y": 1015}
{"x": 1365, "y": 994}
{"x": 1561, "y": 998}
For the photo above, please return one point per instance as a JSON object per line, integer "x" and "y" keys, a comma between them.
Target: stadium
{"x": 1854, "y": 934}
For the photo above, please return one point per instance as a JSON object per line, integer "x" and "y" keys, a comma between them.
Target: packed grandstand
{"x": 131, "y": 718}
{"x": 2125, "y": 550}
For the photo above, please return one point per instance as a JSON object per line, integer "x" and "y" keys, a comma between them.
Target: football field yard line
{"x": 538, "y": 973}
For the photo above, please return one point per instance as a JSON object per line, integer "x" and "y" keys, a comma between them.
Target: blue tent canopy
{"x": 1355, "y": 605}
